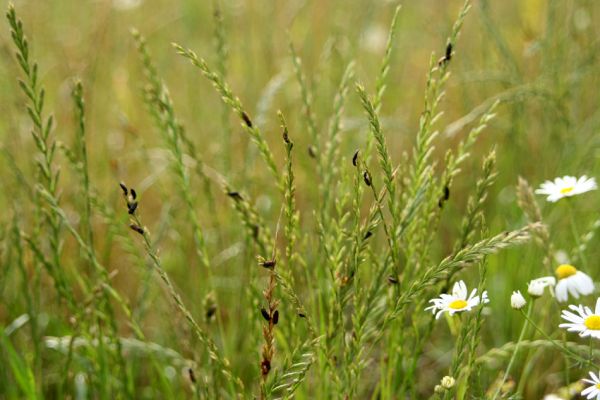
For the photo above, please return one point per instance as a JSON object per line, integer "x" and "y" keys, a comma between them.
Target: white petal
{"x": 588, "y": 390}
{"x": 460, "y": 290}
{"x": 578, "y": 309}
{"x": 586, "y": 283}
{"x": 595, "y": 334}
{"x": 573, "y": 327}
{"x": 561, "y": 291}
{"x": 569, "y": 316}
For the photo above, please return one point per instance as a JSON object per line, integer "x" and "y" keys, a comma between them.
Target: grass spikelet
{"x": 222, "y": 56}
{"x": 221, "y": 363}
{"x": 384, "y": 69}
{"x": 294, "y": 370}
{"x": 235, "y": 103}
{"x": 161, "y": 107}
{"x": 306, "y": 100}
{"x": 526, "y": 201}
{"x": 384, "y": 157}
{"x": 271, "y": 317}
{"x": 464, "y": 257}
{"x": 45, "y": 144}
{"x": 330, "y": 159}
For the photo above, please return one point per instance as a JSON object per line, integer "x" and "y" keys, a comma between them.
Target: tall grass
{"x": 210, "y": 220}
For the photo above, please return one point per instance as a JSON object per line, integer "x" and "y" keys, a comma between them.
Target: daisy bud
{"x": 517, "y": 301}
{"x": 439, "y": 389}
{"x": 536, "y": 287}
{"x": 448, "y": 382}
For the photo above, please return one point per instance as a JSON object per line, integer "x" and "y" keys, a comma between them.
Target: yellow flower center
{"x": 460, "y": 304}
{"x": 592, "y": 322}
{"x": 566, "y": 190}
{"x": 597, "y": 385}
{"x": 565, "y": 270}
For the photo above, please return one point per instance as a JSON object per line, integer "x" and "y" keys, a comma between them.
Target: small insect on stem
{"x": 367, "y": 178}
{"x": 286, "y": 137}
{"x": 235, "y": 195}
{"x": 132, "y": 207}
{"x": 265, "y": 367}
{"x": 445, "y": 196}
{"x": 265, "y": 314}
{"x": 275, "y": 317}
{"x": 448, "y": 51}
{"x": 270, "y": 264}
{"x": 447, "y": 56}
{"x": 192, "y": 375}
{"x": 124, "y": 188}
{"x": 130, "y": 196}
{"x": 137, "y": 228}
{"x": 355, "y": 158}
{"x": 210, "y": 312}
{"x": 246, "y": 119}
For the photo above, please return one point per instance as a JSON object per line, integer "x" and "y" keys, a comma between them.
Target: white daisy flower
{"x": 573, "y": 282}
{"x": 517, "y": 301}
{"x": 459, "y": 300}
{"x": 536, "y": 287}
{"x": 566, "y": 186}
{"x": 592, "y": 391}
{"x": 586, "y": 322}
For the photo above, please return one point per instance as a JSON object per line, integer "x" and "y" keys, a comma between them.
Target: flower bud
{"x": 517, "y": 301}
{"x": 536, "y": 287}
{"x": 448, "y": 382}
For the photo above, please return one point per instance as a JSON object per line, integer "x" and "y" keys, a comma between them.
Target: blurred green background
{"x": 541, "y": 58}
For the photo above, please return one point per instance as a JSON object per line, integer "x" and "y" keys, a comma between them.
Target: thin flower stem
{"x": 563, "y": 348}
{"x": 576, "y": 233}
{"x": 514, "y": 354}
{"x": 454, "y": 324}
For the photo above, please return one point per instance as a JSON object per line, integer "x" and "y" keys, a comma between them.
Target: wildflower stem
{"x": 514, "y": 354}
{"x": 563, "y": 348}
{"x": 576, "y": 233}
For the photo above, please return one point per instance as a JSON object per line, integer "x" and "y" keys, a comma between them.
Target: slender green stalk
{"x": 384, "y": 69}
{"x": 516, "y": 351}
{"x": 307, "y": 106}
{"x": 222, "y": 53}
{"x": 45, "y": 145}
{"x": 562, "y": 347}
{"x": 221, "y": 362}
{"x": 576, "y": 235}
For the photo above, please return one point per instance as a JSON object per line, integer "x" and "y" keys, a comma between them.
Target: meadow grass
{"x": 234, "y": 199}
